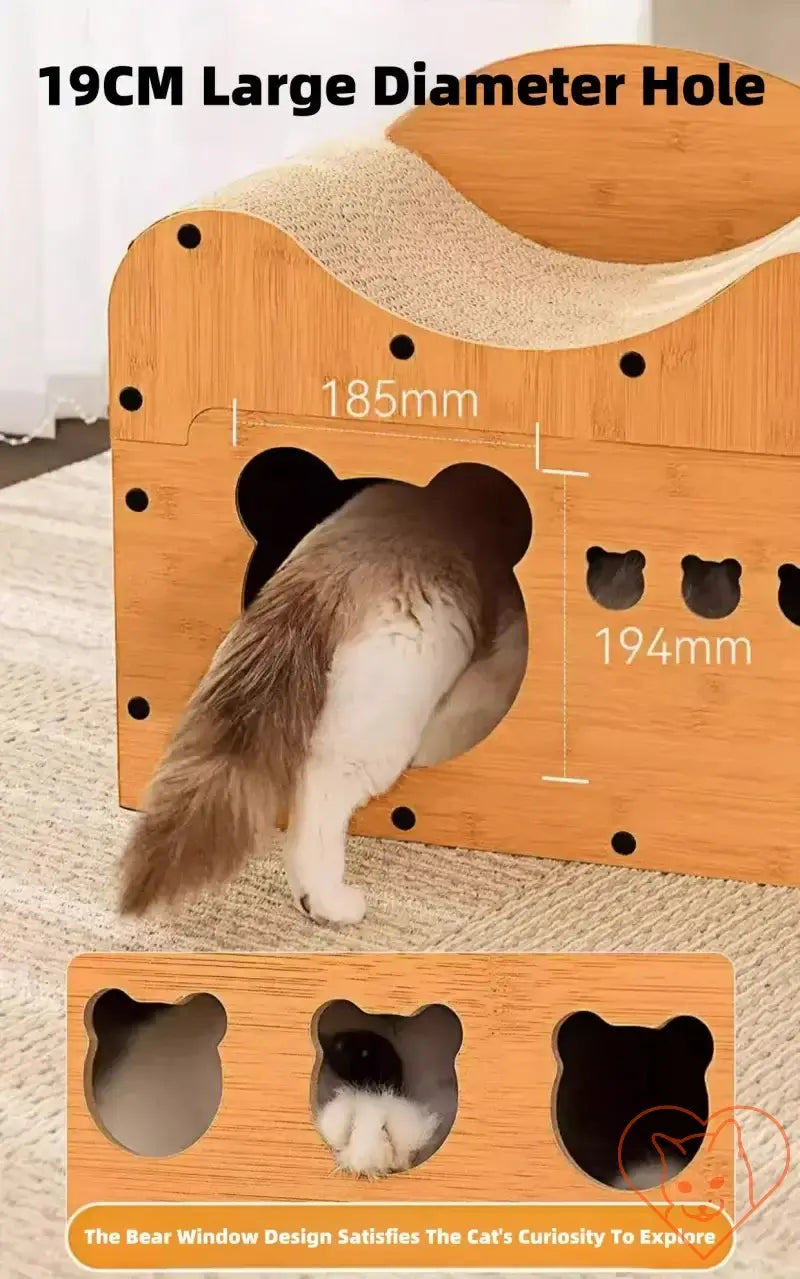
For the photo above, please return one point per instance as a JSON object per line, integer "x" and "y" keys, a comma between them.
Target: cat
{"x": 384, "y": 1099}
{"x": 394, "y": 635}
{"x": 611, "y": 1076}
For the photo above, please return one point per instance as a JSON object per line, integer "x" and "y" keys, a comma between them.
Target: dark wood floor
{"x": 74, "y": 441}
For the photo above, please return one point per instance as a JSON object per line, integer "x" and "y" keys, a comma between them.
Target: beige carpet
{"x": 60, "y": 831}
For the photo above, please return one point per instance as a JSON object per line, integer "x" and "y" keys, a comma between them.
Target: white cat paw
{"x": 341, "y": 904}
{"x": 373, "y": 1134}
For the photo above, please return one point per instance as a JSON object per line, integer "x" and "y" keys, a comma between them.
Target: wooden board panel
{"x": 699, "y": 761}
{"x": 262, "y": 1143}
{"x": 624, "y": 183}
{"x": 248, "y": 315}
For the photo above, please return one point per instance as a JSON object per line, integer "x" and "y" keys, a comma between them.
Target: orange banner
{"x": 351, "y": 1236}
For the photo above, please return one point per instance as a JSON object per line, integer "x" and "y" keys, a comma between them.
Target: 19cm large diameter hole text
{"x": 680, "y": 650}
{"x": 382, "y": 399}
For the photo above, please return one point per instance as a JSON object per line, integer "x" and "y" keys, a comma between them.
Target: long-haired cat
{"x": 393, "y": 635}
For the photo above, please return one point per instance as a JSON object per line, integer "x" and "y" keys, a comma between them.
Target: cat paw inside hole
{"x": 711, "y": 588}
{"x": 631, "y": 1102}
{"x": 615, "y": 579}
{"x": 154, "y": 1074}
{"x": 385, "y": 1091}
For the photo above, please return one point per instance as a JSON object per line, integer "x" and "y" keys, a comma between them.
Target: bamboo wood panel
{"x": 698, "y": 762}
{"x": 624, "y": 183}
{"x": 249, "y": 315}
{"x": 262, "y": 1144}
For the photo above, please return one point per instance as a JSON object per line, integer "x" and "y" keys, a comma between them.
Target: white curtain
{"x": 79, "y": 182}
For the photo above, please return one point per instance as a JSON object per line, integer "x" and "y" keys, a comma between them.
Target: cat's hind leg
{"x": 382, "y": 688}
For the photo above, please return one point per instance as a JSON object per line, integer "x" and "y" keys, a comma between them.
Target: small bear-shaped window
{"x": 789, "y": 592}
{"x": 155, "y": 1071}
{"x": 615, "y": 579}
{"x": 385, "y": 1094}
{"x": 620, "y": 1084}
{"x": 711, "y": 588}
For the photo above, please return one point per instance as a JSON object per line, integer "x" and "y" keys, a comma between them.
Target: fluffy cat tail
{"x": 234, "y": 759}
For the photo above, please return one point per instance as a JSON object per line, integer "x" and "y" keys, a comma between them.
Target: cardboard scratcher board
{"x": 601, "y": 303}
{"x": 262, "y": 1145}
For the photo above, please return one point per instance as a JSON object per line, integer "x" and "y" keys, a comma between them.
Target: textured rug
{"x": 61, "y": 830}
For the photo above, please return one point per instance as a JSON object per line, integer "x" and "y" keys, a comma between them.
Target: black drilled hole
{"x": 281, "y": 495}
{"x": 137, "y": 500}
{"x": 131, "y": 398}
{"x": 138, "y": 708}
{"x": 623, "y": 842}
{"x": 189, "y": 235}
{"x": 632, "y": 364}
{"x": 401, "y": 347}
{"x": 404, "y": 818}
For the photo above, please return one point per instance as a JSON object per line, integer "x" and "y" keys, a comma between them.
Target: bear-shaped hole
{"x": 284, "y": 494}
{"x": 631, "y": 1102}
{"x": 789, "y": 592}
{"x": 281, "y": 495}
{"x": 153, "y": 1080}
{"x": 384, "y": 1092}
{"x": 615, "y": 579}
{"x": 711, "y": 588}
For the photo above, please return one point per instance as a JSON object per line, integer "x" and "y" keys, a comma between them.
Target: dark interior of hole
{"x": 489, "y": 504}
{"x": 711, "y": 588}
{"x": 632, "y": 364}
{"x": 364, "y": 1059}
{"x": 615, "y": 579}
{"x": 789, "y": 592}
{"x": 611, "y": 1075}
{"x": 404, "y": 818}
{"x": 281, "y": 495}
{"x": 623, "y": 842}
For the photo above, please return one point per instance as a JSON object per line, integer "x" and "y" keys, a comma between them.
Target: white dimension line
{"x": 576, "y": 781}
{"x": 235, "y": 422}
{"x": 547, "y": 470}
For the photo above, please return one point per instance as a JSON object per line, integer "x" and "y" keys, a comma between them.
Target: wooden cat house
{"x": 600, "y": 301}
{"x": 504, "y": 1145}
